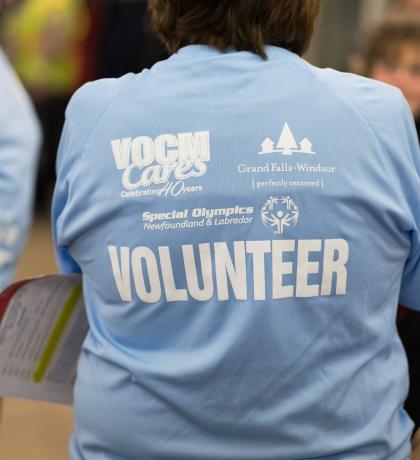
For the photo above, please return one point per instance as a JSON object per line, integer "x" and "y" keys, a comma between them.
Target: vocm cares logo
{"x": 146, "y": 161}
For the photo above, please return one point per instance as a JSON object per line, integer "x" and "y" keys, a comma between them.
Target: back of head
{"x": 244, "y": 24}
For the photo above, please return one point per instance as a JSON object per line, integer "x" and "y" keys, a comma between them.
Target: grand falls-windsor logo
{"x": 289, "y": 163}
{"x": 161, "y": 166}
{"x": 287, "y": 144}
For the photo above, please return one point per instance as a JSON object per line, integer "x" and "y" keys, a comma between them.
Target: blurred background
{"x": 57, "y": 45}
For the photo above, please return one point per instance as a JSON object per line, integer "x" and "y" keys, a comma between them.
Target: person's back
{"x": 242, "y": 227}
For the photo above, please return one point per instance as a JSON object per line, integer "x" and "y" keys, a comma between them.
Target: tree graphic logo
{"x": 286, "y": 145}
{"x": 279, "y": 213}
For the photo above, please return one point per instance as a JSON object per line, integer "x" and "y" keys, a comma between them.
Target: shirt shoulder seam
{"x": 87, "y": 144}
{"x": 362, "y": 119}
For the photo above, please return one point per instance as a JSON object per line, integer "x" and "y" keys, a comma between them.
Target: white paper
{"x": 42, "y": 327}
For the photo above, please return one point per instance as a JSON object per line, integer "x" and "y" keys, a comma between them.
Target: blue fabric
{"x": 245, "y": 230}
{"x": 19, "y": 143}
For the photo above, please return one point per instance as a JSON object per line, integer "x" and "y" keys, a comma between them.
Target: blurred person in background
{"x": 19, "y": 144}
{"x": 41, "y": 37}
{"x": 392, "y": 55}
{"x": 57, "y": 45}
{"x": 238, "y": 308}
{"x": 410, "y": 6}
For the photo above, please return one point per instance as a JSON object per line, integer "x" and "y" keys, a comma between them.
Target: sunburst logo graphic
{"x": 279, "y": 213}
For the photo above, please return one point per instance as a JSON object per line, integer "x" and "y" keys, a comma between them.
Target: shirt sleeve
{"x": 388, "y": 118}
{"x": 82, "y": 115}
{"x": 410, "y": 285}
{"x": 66, "y": 163}
{"x": 19, "y": 146}
{"x": 77, "y": 126}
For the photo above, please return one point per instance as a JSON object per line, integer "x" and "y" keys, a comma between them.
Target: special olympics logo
{"x": 279, "y": 213}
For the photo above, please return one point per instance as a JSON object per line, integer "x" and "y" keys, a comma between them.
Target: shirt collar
{"x": 204, "y": 51}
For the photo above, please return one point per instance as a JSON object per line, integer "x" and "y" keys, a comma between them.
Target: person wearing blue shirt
{"x": 19, "y": 143}
{"x": 245, "y": 224}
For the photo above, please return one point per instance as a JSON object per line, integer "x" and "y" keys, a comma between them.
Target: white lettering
{"x": 121, "y": 271}
{"x": 142, "y": 151}
{"x": 162, "y": 145}
{"x": 138, "y": 255}
{"x": 281, "y": 268}
{"x": 306, "y": 268}
{"x": 194, "y": 146}
{"x": 258, "y": 249}
{"x": 172, "y": 293}
{"x": 206, "y": 293}
{"x": 146, "y": 161}
{"x": 337, "y": 266}
{"x": 225, "y": 269}
{"x": 121, "y": 150}
{"x": 300, "y": 259}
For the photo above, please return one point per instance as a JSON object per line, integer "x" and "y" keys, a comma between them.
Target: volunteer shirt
{"x": 19, "y": 142}
{"x": 245, "y": 230}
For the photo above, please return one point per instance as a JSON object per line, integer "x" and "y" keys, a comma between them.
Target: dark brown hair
{"x": 388, "y": 39}
{"x": 247, "y": 25}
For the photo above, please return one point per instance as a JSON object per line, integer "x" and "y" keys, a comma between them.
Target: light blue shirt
{"x": 19, "y": 142}
{"x": 245, "y": 230}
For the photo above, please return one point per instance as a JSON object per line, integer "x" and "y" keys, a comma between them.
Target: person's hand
{"x": 416, "y": 447}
